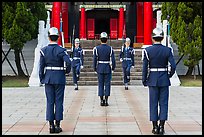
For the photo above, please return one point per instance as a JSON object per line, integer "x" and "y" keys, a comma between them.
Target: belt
{"x": 55, "y": 68}
{"x": 75, "y": 58}
{"x": 158, "y": 69}
{"x": 103, "y": 61}
{"x": 127, "y": 59}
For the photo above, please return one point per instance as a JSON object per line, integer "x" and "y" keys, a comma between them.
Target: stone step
{"x": 116, "y": 59}
{"x": 116, "y": 55}
{"x": 93, "y": 74}
{"x": 95, "y": 83}
{"x": 87, "y": 44}
{"x": 114, "y": 78}
{"x": 117, "y": 69}
{"x": 116, "y": 51}
{"x": 118, "y": 65}
{"x": 87, "y": 57}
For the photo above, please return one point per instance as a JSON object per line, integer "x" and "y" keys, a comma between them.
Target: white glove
{"x": 133, "y": 66}
{"x": 82, "y": 67}
{"x": 112, "y": 71}
{"x": 71, "y": 59}
{"x": 121, "y": 59}
{"x": 95, "y": 72}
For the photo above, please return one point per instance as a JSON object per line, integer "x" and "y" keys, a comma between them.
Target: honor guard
{"x": 127, "y": 58}
{"x": 77, "y": 61}
{"x": 52, "y": 74}
{"x": 155, "y": 59}
{"x": 104, "y": 64}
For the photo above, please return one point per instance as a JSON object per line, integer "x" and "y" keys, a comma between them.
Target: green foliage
{"x": 20, "y": 24}
{"x": 186, "y": 28}
{"x": 8, "y": 17}
{"x": 39, "y": 13}
{"x": 20, "y": 21}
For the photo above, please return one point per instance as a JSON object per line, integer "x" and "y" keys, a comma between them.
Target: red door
{"x": 113, "y": 28}
{"x": 90, "y": 28}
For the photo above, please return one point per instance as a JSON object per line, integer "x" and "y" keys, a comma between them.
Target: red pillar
{"x": 121, "y": 23}
{"x": 148, "y": 19}
{"x": 85, "y": 30}
{"x": 140, "y": 23}
{"x": 56, "y": 17}
{"x": 65, "y": 21}
{"x": 82, "y": 24}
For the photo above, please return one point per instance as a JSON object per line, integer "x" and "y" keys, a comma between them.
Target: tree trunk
{"x": 18, "y": 62}
{"x": 194, "y": 75}
{"x": 198, "y": 69}
{"x": 190, "y": 70}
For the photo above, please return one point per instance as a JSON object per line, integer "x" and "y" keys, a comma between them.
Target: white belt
{"x": 75, "y": 58}
{"x": 103, "y": 61}
{"x": 158, "y": 69}
{"x": 55, "y": 68}
{"x": 126, "y": 58}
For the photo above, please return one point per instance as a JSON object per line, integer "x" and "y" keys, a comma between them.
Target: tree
{"x": 19, "y": 25}
{"x": 39, "y": 13}
{"x": 186, "y": 29}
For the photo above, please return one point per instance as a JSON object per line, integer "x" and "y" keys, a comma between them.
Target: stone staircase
{"x": 88, "y": 76}
{"x": 90, "y": 44}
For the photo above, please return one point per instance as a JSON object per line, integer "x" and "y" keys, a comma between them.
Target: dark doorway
{"x": 102, "y": 19}
{"x": 102, "y": 25}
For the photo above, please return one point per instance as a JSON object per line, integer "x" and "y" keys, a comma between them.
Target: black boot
{"x": 102, "y": 101}
{"x": 155, "y": 129}
{"x": 52, "y": 127}
{"x": 106, "y": 101}
{"x": 161, "y": 127}
{"x": 58, "y": 129}
{"x": 126, "y": 86}
{"x": 76, "y": 87}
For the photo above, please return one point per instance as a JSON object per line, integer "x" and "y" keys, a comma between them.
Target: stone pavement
{"x": 23, "y": 111}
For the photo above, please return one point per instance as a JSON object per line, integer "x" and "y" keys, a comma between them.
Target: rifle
{"x": 62, "y": 35}
{"x": 72, "y": 48}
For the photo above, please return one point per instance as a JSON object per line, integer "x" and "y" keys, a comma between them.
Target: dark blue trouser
{"x": 126, "y": 72}
{"x": 158, "y": 95}
{"x": 76, "y": 71}
{"x": 55, "y": 98}
{"x": 104, "y": 80}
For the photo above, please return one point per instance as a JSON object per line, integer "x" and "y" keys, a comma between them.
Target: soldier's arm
{"x": 82, "y": 58}
{"x": 144, "y": 68}
{"x": 132, "y": 56}
{"x": 41, "y": 67}
{"x": 172, "y": 63}
{"x": 65, "y": 56}
{"x": 120, "y": 55}
{"x": 113, "y": 60}
{"x": 71, "y": 53}
{"x": 94, "y": 58}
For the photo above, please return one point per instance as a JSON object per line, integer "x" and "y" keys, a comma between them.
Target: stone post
{"x": 42, "y": 42}
{"x": 34, "y": 78}
{"x": 159, "y": 23}
{"x": 174, "y": 79}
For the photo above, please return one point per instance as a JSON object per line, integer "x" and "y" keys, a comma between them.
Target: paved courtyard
{"x": 23, "y": 111}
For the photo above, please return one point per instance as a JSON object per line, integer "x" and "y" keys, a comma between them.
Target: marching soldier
{"x": 104, "y": 65}
{"x": 77, "y": 62}
{"x": 127, "y": 58}
{"x": 156, "y": 58}
{"x": 52, "y": 59}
